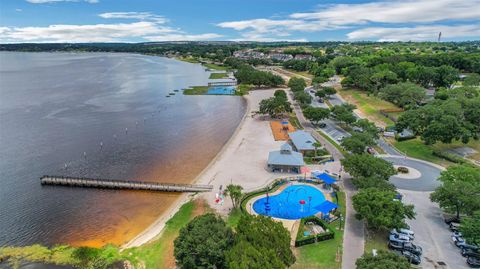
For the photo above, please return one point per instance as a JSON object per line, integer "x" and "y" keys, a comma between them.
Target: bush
{"x": 449, "y": 156}
{"x": 402, "y": 169}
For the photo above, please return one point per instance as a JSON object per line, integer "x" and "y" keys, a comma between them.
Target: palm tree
{"x": 235, "y": 193}
{"x": 316, "y": 145}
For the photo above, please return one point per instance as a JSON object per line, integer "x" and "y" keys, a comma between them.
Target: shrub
{"x": 402, "y": 169}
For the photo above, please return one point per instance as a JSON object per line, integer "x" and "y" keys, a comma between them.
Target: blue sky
{"x": 260, "y": 20}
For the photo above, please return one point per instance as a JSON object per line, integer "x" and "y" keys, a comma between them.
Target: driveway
{"x": 431, "y": 233}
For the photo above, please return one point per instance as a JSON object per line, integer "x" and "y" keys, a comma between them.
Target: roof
{"x": 326, "y": 207}
{"x": 326, "y": 178}
{"x": 285, "y": 156}
{"x": 302, "y": 140}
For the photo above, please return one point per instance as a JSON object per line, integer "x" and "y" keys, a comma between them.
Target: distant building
{"x": 303, "y": 57}
{"x": 285, "y": 160}
{"x": 302, "y": 141}
{"x": 280, "y": 57}
{"x": 248, "y": 54}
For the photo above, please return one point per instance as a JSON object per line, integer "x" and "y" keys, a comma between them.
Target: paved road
{"x": 427, "y": 181}
{"x": 431, "y": 233}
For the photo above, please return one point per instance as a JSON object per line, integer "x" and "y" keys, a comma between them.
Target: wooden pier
{"x": 122, "y": 184}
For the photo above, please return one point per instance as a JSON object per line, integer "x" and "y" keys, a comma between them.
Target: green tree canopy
{"x": 235, "y": 193}
{"x": 265, "y": 237}
{"x": 274, "y": 106}
{"x": 366, "y": 165}
{"x": 358, "y": 142}
{"x": 460, "y": 190}
{"x": 367, "y": 127}
{"x": 203, "y": 243}
{"x": 470, "y": 228}
{"x": 303, "y": 97}
{"x": 373, "y": 182}
{"x": 344, "y": 113}
{"x": 316, "y": 114}
{"x": 472, "y": 80}
{"x": 297, "y": 84}
{"x": 380, "y": 209}
{"x": 405, "y": 94}
{"x": 383, "y": 260}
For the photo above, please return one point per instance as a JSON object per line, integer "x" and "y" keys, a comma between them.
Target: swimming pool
{"x": 221, "y": 90}
{"x": 294, "y": 202}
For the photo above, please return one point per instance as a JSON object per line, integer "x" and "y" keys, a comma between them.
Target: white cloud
{"x": 345, "y": 16}
{"x": 134, "y": 15}
{"x": 55, "y": 1}
{"x": 18, "y": 10}
{"x": 146, "y": 27}
{"x": 419, "y": 33}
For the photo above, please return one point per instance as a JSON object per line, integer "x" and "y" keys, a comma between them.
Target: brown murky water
{"x": 99, "y": 115}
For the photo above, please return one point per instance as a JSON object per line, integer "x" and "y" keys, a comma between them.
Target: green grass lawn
{"x": 155, "y": 254}
{"x": 216, "y": 66}
{"x": 243, "y": 89}
{"x": 192, "y": 60}
{"x": 369, "y": 105}
{"x": 323, "y": 255}
{"x": 292, "y": 118}
{"x": 234, "y": 217}
{"x": 415, "y": 148}
{"x": 196, "y": 90}
{"x": 375, "y": 240}
{"x": 218, "y": 75}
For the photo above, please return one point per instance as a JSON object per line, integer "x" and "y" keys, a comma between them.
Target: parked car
{"x": 457, "y": 240}
{"x": 465, "y": 245}
{"x": 340, "y": 138}
{"x": 467, "y": 252}
{"x": 449, "y": 219}
{"x": 473, "y": 262}
{"x": 406, "y": 232}
{"x": 322, "y": 125}
{"x": 412, "y": 258}
{"x": 454, "y": 226}
{"x": 396, "y": 237}
{"x": 457, "y": 234}
{"x": 408, "y": 246}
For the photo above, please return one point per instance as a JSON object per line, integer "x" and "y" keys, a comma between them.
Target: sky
{"x": 23, "y": 21}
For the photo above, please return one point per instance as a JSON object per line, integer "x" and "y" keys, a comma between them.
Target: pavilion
{"x": 285, "y": 160}
{"x": 302, "y": 141}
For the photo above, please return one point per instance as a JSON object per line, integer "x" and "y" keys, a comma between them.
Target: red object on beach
{"x": 302, "y": 202}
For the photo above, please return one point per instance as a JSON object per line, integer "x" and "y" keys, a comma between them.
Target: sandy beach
{"x": 241, "y": 161}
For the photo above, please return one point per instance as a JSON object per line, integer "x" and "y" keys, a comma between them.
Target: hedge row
{"x": 449, "y": 156}
{"x": 302, "y": 240}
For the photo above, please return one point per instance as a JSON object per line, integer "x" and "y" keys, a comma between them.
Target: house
{"x": 285, "y": 160}
{"x": 281, "y": 57}
{"x": 304, "y": 57}
{"x": 302, "y": 141}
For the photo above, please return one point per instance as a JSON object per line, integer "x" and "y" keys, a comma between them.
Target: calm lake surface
{"x": 100, "y": 115}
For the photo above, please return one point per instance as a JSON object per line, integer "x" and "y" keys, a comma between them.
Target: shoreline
{"x": 154, "y": 230}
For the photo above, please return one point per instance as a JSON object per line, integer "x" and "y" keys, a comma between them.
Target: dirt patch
{"x": 280, "y": 131}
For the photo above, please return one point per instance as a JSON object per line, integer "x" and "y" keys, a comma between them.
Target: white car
{"x": 403, "y": 233}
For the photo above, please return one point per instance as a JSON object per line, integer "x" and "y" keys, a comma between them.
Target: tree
{"x": 265, "y": 237}
{"x": 365, "y": 165}
{"x": 383, "y": 260}
{"x": 297, "y": 84}
{"x": 90, "y": 258}
{"x": 380, "y": 209}
{"x": 235, "y": 193}
{"x": 303, "y": 97}
{"x": 344, "y": 113}
{"x": 274, "y": 106}
{"x": 405, "y": 94}
{"x": 203, "y": 243}
{"x": 445, "y": 76}
{"x": 367, "y": 127}
{"x": 459, "y": 191}
{"x": 373, "y": 182}
{"x": 317, "y": 145}
{"x": 280, "y": 94}
{"x": 316, "y": 114}
{"x": 358, "y": 142}
{"x": 472, "y": 80}
{"x": 470, "y": 228}
{"x": 329, "y": 91}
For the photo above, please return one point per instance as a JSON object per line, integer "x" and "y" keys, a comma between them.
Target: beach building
{"x": 285, "y": 160}
{"x": 302, "y": 141}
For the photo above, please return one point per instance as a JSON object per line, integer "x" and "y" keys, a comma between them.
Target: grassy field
{"x": 243, "y": 89}
{"x": 292, "y": 118}
{"x": 415, "y": 148}
{"x": 234, "y": 217}
{"x": 375, "y": 240}
{"x": 218, "y": 75}
{"x": 323, "y": 255}
{"x": 301, "y": 73}
{"x": 216, "y": 66}
{"x": 192, "y": 60}
{"x": 370, "y": 106}
{"x": 196, "y": 90}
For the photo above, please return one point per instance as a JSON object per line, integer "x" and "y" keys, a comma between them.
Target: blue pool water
{"x": 286, "y": 205}
{"x": 221, "y": 90}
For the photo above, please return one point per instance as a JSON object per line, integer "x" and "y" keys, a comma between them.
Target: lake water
{"x": 100, "y": 115}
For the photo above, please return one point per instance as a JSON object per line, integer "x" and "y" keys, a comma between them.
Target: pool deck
{"x": 290, "y": 225}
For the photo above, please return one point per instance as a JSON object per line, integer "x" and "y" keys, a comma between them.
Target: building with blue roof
{"x": 302, "y": 141}
{"x": 285, "y": 160}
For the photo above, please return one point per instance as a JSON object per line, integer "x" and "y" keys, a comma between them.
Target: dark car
{"x": 465, "y": 245}
{"x": 412, "y": 258}
{"x": 322, "y": 125}
{"x": 454, "y": 226}
{"x": 449, "y": 219}
{"x": 468, "y": 252}
{"x": 473, "y": 262}
{"x": 408, "y": 246}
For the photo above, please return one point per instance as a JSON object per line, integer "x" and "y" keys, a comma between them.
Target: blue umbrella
{"x": 326, "y": 178}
